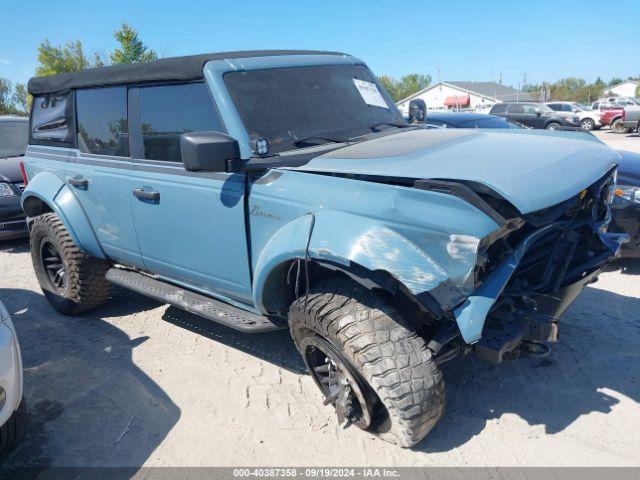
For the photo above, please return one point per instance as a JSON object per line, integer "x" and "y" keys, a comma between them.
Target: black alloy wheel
{"x": 54, "y": 267}
{"x": 338, "y": 382}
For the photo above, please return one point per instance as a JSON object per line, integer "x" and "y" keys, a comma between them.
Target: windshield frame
{"x": 24, "y": 123}
{"x": 215, "y": 70}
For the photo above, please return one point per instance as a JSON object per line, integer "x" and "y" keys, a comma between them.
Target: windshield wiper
{"x": 313, "y": 140}
{"x": 375, "y": 127}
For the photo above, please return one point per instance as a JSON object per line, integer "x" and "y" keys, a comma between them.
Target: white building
{"x": 624, "y": 89}
{"x": 477, "y": 96}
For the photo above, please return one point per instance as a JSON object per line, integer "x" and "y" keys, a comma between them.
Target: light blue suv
{"x": 276, "y": 189}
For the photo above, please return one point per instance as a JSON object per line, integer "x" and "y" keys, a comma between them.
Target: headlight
{"x": 630, "y": 194}
{"x": 6, "y": 190}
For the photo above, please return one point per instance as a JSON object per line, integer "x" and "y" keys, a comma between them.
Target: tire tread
{"x": 383, "y": 347}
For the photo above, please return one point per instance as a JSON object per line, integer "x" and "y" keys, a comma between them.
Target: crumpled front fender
{"x": 344, "y": 239}
{"x": 50, "y": 189}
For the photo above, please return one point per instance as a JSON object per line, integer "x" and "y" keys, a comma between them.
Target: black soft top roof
{"x": 166, "y": 69}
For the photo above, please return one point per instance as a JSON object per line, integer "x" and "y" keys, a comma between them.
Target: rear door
{"x": 516, "y": 112}
{"x": 190, "y": 225}
{"x": 99, "y": 175}
{"x": 525, "y": 113}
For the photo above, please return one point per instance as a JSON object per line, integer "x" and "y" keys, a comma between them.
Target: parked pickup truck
{"x": 631, "y": 117}
{"x": 283, "y": 189}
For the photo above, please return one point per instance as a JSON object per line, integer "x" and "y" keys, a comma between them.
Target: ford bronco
{"x": 283, "y": 189}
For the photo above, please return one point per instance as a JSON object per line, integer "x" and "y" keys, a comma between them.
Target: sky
{"x": 447, "y": 39}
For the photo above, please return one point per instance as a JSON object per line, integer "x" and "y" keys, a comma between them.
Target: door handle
{"x": 146, "y": 194}
{"x": 78, "y": 182}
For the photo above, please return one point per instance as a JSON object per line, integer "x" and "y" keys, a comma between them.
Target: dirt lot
{"x": 140, "y": 383}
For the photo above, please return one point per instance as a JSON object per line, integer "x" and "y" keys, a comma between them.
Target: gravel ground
{"x": 139, "y": 383}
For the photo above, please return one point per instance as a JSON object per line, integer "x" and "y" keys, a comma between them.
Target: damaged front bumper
{"x": 525, "y": 294}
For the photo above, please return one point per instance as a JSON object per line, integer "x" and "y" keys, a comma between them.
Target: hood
{"x": 10, "y": 169}
{"x": 532, "y": 169}
{"x": 629, "y": 168}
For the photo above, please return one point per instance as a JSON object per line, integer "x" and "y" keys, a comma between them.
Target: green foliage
{"x": 571, "y": 89}
{"x": 638, "y": 91}
{"x": 132, "y": 49}
{"x": 60, "y": 59}
{"x": 615, "y": 81}
{"x": 406, "y": 86}
{"x": 72, "y": 58}
{"x": 20, "y": 99}
{"x": 11, "y": 99}
{"x": 5, "y": 96}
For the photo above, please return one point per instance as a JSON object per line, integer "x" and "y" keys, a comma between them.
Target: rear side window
{"x": 516, "y": 108}
{"x": 555, "y": 106}
{"x": 52, "y": 118}
{"x": 499, "y": 108}
{"x": 102, "y": 121}
{"x": 168, "y": 111}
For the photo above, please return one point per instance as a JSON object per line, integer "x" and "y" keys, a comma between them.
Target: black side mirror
{"x": 208, "y": 151}
{"x": 417, "y": 111}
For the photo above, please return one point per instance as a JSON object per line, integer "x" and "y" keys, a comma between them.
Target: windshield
{"x": 491, "y": 122}
{"x": 581, "y": 106}
{"x": 14, "y": 137}
{"x": 325, "y": 103}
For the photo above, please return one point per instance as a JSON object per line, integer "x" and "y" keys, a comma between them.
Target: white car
{"x": 12, "y": 408}
{"x": 589, "y": 119}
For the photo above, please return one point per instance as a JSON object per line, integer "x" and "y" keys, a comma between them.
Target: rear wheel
{"x": 72, "y": 281}
{"x": 552, "y": 126}
{"x": 587, "y": 124}
{"x": 618, "y": 127}
{"x": 368, "y": 361}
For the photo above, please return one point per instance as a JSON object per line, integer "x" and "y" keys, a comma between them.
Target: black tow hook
{"x": 444, "y": 345}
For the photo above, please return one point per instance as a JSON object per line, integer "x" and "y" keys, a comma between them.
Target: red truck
{"x": 612, "y": 116}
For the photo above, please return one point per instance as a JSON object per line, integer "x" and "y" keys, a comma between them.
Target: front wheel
{"x": 72, "y": 281}
{"x": 13, "y": 430}
{"x": 368, "y": 361}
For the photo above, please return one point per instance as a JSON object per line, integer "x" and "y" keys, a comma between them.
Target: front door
{"x": 99, "y": 175}
{"x": 190, "y": 225}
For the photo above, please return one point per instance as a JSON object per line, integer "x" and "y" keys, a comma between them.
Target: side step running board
{"x": 192, "y": 302}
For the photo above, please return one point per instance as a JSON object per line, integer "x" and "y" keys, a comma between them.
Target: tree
{"x": 408, "y": 85}
{"x": 389, "y": 84}
{"x": 615, "y": 81}
{"x": 638, "y": 91}
{"x": 20, "y": 98}
{"x": 61, "y": 59}
{"x": 132, "y": 49}
{"x": 5, "y": 96}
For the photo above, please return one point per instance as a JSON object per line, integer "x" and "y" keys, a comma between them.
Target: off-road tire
{"x": 13, "y": 430}
{"x": 394, "y": 362}
{"x": 87, "y": 287}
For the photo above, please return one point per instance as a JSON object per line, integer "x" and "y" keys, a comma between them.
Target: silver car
{"x": 12, "y": 408}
